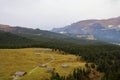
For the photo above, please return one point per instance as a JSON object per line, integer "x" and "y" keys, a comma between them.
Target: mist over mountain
{"x": 105, "y": 30}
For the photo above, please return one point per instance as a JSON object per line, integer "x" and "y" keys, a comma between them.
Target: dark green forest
{"x": 105, "y": 56}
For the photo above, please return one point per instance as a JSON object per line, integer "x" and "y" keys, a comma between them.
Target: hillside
{"x": 11, "y": 40}
{"x": 23, "y": 30}
{"x": 19, "y": 37}
{"x": 21, "y": 40}
{"x": 105, "y": 30}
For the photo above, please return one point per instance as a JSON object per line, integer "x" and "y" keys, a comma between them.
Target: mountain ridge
{"x": 90, "y": 22}
{"x": 109, "y": 29}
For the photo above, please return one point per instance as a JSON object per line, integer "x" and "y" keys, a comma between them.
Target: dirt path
{"x": 33, "y": 70}
{"x": 53, "y": 59}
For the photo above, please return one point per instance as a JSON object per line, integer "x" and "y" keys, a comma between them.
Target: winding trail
{"x": 51, "y": 56}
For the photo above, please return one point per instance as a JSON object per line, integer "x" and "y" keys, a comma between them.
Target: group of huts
{"x": 22, "y": 73}
{"x": 52, "y": 69}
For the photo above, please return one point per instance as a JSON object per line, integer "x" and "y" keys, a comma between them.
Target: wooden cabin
{"x": 43, "y": 65}
{"x": 64, "y": 65}
{"x": 51, "y": 70}
{"x": 20, "y": 73}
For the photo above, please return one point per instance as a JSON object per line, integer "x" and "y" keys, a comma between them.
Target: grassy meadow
{"x": 29, "y": 59}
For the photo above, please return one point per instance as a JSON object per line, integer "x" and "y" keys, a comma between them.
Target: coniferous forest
{"x": 105, "y": 56}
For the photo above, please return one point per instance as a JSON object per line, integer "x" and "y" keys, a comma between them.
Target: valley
{"x": 34, "y": 54}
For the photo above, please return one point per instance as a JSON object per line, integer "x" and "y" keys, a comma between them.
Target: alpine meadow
{"x": 59, "y": 40}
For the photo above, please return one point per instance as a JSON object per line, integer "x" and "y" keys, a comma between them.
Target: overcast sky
{"x": 48, "y": 14}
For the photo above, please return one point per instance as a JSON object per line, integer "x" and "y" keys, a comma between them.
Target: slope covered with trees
{"x": 9, "y": 40}
{"x": 105, "y": 56}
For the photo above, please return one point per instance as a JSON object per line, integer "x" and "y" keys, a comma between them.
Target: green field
{"x": 29, "y": 59}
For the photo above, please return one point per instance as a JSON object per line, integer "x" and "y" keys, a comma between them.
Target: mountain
{"x": 105, "y": 30}
{"x": 43, "y": 36}
{"x": 20, "y": 37}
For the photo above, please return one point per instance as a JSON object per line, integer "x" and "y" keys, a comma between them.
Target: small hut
{"x": 65, "y": 66}
{"x": 51, "y": 70}
{"x": 20, "y": 73}
{"x": 43, "y": 65}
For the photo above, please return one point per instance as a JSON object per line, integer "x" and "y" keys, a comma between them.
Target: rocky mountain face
{"x": 105, "y": 30}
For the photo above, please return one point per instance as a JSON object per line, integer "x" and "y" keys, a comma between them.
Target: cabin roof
{"x": 43, "y": 65}
{"x": 19, "y": 73}
{"x": 51, "y": 69}
{"x": 64, "y": 65}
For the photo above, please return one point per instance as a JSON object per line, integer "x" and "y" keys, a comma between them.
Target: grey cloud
{"x": 47, "y": 14}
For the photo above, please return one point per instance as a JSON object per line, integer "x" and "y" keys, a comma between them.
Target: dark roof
{"x": 43, "y": 65}
{"x": 20, "y": 73}
{"x": 51, "y": 69}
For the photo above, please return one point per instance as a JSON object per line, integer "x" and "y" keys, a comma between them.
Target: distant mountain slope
{"x": 23, "y": 30}
{"x": 106, "y": 30}
{"x": 45, "y": 39}
{"x": 42, "y": 35}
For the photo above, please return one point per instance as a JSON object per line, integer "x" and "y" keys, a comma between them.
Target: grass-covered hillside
{"x": 29, "y": 60}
